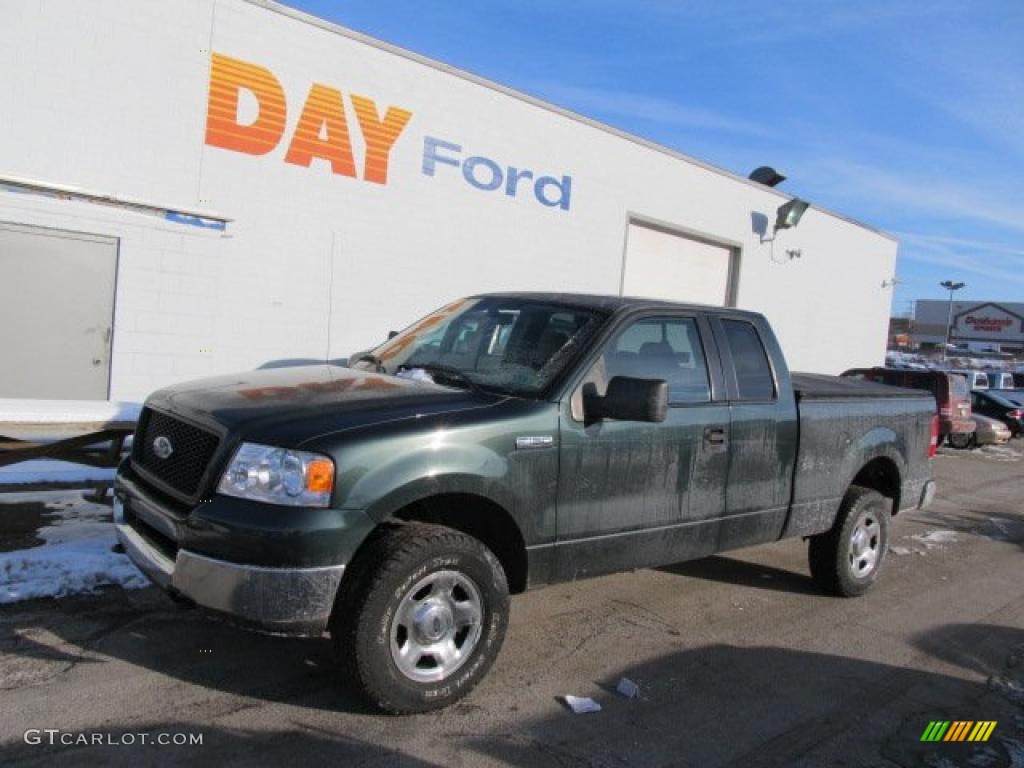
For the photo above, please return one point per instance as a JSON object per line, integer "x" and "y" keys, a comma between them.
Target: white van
{"x": 999, "y": 380}
{"x": 975, "y": 379}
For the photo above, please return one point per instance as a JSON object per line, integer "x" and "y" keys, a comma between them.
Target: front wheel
{"x": 421, "y": 617}
{"x": 847, "y": 559}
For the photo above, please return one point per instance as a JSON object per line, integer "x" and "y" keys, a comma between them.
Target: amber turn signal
{"x": 320, "y": 476}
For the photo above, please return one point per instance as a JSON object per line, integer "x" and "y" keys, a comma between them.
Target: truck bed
{"x": 817, "y": 386}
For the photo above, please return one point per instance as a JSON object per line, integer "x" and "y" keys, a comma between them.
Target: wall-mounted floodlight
{"x": 789, "y": 214}
{"x": 766, "y": 175}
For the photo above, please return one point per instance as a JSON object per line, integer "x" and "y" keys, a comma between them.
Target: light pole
{"x": 952, "y": 287}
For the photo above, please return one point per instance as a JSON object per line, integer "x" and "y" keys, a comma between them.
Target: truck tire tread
{"x": 827, "y": 552}
{"x": 393, "y": 550}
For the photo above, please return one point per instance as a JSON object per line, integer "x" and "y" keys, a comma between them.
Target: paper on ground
{"x": 581, "y": 705}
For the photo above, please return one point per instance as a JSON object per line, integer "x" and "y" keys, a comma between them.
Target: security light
{"x": 789, "y": 214}
{"x": 766, "y": 175}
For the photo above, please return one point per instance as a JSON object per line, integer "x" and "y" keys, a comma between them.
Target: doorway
{"x": 56, "y": 313}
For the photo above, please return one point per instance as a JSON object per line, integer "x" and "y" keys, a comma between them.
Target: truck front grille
{"x": 192, "y": 449}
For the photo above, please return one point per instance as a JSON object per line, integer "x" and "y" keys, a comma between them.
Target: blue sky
{"x": 906, "y": 115}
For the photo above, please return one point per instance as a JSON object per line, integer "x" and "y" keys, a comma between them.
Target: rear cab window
{"x": 754, "y": 379}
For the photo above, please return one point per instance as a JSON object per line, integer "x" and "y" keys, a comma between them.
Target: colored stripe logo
{"x": 958, "y": 730}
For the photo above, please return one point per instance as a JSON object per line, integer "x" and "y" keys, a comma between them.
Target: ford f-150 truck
{"x": 506, "y": 442}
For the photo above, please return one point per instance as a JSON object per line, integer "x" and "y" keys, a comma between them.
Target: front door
{"x": 626, "y": 489}
{"x": 56, "y": 313}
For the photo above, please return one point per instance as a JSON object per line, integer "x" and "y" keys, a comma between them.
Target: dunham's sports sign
{"x": 323, "y": 135}
{"x": 988, "y": 322}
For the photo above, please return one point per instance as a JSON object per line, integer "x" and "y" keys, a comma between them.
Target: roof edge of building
{"x": 330, "y": 26}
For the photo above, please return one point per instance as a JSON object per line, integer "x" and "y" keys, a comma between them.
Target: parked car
{"x": 975, "y": 379}
{"x": 987, "y": 431}
{"x": 1000, "y": 380}
{"x": 505, "y": 442}
{"x": 1018, "y": 380}
{"x": 1007, "y": 405}
{"x": 952, "y": 397}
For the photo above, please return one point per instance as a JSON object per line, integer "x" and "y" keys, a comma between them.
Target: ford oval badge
{"x": 162, "y": 447}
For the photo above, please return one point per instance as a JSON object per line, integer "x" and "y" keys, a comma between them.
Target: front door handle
{"x": 715, "y": 438}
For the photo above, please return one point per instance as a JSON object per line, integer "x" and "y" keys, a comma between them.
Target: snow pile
{"x": 77, "y": 555}
{"x": 66, "y": 411}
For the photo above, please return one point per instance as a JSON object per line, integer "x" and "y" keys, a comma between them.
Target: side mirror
{"x": 392, "y": 334}
{"x": 629, "y": 399}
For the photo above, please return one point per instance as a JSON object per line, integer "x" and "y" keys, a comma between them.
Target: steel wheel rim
{"x": 865, "y": 545}
{"x": 437, "y": 626}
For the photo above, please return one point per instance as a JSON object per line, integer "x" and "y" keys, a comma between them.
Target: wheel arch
{"x": 881, "y": 474}
{"x": 471, "y": 512}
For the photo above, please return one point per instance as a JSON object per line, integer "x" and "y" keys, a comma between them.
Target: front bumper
{"x": 286, "y": 600}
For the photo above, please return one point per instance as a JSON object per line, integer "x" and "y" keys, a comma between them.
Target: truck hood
{"x": 287, "y": 406}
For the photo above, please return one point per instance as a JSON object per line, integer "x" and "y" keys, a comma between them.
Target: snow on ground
{"x": 77, "y": 555}
{"x": 1012, "y": 451}
{"x": 936, "y": 538}
{"x": 50, "y": 471}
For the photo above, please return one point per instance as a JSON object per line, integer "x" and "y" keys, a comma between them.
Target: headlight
{"x": 279, "y": 476}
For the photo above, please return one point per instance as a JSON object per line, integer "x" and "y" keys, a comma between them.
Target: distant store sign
{"x": 988, "y": 322}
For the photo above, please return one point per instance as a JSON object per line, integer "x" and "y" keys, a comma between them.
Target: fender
{"x": 408, "y": 477}
{"x": 818, "y": 513}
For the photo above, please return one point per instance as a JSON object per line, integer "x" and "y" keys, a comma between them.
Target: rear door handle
{"x": 715, "y": 438}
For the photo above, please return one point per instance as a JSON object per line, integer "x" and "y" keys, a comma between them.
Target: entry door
{"x": 665, "y": 264}
{"x": 627, "y": 490}
{"x": 56, "y": 313}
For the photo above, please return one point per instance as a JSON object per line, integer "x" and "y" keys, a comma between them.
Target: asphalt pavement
{"x": 739, "y": 659}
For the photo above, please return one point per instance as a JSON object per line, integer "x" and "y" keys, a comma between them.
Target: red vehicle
{"x": 952, "y": 395}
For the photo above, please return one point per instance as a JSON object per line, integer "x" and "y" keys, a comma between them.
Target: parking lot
{"x": 740, "y": 662}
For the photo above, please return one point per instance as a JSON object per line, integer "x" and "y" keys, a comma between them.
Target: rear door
{"x": 56, "y": 313}
{"x": 762, "y": 433}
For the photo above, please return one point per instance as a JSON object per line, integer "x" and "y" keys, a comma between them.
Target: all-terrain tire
{"x": 961, "y": 440}
{"x": 847, "y": 559}
{"x": 378, "y": 597}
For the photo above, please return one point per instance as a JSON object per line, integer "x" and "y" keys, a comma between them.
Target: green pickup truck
{"x": 506, "y": 442}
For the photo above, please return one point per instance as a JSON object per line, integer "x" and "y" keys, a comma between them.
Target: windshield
{"x": 510, "y": 345}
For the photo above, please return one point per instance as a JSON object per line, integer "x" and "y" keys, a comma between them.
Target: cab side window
{"x": 753, "y": 371}
{"x": 666, "y": 348}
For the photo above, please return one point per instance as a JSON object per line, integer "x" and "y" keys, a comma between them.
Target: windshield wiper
{"x": 449, "y": 372}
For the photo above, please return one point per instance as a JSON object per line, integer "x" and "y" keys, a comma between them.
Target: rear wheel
{"x": 847, "y": 559}
{"x": 961, "y": 440}
{"x": 420, "y": 617}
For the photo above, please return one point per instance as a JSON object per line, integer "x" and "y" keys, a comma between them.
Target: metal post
{"x": 950, "y": 286}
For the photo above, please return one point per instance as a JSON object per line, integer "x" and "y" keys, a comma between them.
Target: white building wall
{"x": 316, "y": 265}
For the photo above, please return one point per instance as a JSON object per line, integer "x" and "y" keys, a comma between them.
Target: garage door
{"x": 664, "y": 264}
{"x": 56, "y": 313}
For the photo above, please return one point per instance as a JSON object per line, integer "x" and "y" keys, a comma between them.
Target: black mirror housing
{"x": 629, "y": 399}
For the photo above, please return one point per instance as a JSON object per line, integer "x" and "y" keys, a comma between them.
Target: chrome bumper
{"x": 286, "y": 600}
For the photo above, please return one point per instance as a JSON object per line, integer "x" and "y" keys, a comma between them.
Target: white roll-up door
{"x": 663, "y": 264}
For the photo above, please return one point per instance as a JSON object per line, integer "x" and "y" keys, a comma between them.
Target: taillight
{"x": 946, "y": 410}
{"x": 1017, "y": 414}
{"x": 933, "y": 443}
